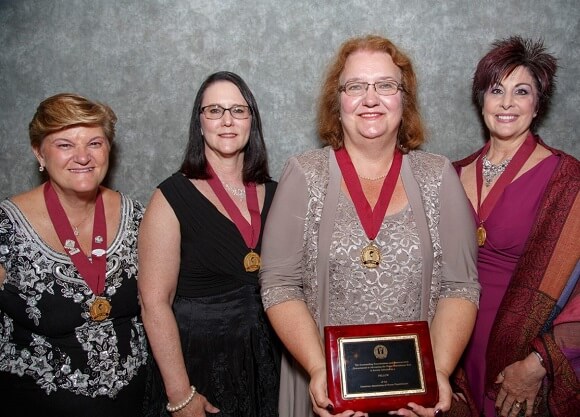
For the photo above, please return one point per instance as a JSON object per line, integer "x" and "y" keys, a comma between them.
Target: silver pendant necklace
{"x": 239, "y": 193}
{"x": 490, "y": 171}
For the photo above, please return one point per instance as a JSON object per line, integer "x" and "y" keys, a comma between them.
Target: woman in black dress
{"x": 199, "y": 248}
{"x": 71, "y": 339}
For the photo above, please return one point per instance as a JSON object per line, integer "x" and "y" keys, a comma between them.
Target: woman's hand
{"x": 196, "y": 408}
{"x": 520, "y": 383}
{"x": 444, "y": 403}
{"x": 320, "y": 402}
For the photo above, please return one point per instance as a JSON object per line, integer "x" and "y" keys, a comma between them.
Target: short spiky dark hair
{"x": 508, "y": 54}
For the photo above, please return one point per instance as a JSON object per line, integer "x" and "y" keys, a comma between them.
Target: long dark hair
{"x": 255, "y": 158}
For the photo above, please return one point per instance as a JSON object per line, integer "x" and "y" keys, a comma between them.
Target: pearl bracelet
{"x": 181, "y": 405}
{"x": 539, "y": 357}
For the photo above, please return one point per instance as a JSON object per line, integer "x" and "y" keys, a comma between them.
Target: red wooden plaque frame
{"x": 384, "y": 337}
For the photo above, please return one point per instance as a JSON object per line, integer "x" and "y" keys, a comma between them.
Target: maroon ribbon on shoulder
{"x": 92, "y": 270}
{"x": 371, "y": 219}
{"x": 485, "y": 207}
{"x": 250, "y": 231}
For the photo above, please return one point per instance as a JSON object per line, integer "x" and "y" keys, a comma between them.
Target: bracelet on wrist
{"x": 183, "y": 404}
{"x": 539, "y": 357}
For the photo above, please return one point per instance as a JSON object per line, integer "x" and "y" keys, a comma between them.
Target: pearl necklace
{"x": 490, "y": 171}
{"x": 239, "y": 193}
{"x": 372, "y": 179}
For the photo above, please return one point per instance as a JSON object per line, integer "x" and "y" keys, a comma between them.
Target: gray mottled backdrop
{"x": 146, "y": 58}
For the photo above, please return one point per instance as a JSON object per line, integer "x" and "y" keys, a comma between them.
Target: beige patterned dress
{"x": 313, "y": 240}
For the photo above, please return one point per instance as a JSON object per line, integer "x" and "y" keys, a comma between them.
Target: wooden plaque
{"x": 380, "y": 367}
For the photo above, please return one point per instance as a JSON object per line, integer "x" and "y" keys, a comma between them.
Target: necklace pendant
{"x": 100, "y": 309}
{"x": 252, "y": 261}
{"x": 98, "y": 252}
{"x": 481, "y": 235}
{"x": 490, "y": 171}
{"x": 239, "y": 193}
{"x": 371, "y": 256}
{"x": 76, "y": 231}
{"x": 70, "y": 246}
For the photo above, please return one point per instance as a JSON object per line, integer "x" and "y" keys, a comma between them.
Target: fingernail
{"x": 438, "y": 413}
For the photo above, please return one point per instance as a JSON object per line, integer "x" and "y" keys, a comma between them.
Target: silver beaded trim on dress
{"x": 490, "y": 171}
{"x": 37, "y": 271}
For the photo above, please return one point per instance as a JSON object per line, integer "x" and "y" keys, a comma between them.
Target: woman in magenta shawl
{"x": 527, "y": 215}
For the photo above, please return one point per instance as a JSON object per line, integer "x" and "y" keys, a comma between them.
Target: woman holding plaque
{"x": 199, "y": 257}
{"x": 526, "y": 209}
{"x": 367, "y": 230}
{"x": 71, "y": 339}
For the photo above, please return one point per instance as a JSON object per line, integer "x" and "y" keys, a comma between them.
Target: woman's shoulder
{"x": 28, "y": 199}
{"x": 131, "y": 204}
{"x": 313, "y": 159}
{"x": 571, "y": 164}
{"x": 177, "y": 187}
{"x": 270, "y": 186}
{"x": 427, "y": 162}
{"x": 172, "y": 180}
{"x": 29, "y": 204}
{"x": 313, "y": 155}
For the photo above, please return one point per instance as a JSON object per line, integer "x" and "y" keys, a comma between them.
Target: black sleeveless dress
{"x": 231, "y": 354}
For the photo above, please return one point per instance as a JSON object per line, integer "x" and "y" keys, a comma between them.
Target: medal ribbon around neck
{"x": 250, "y": 231}
{"x": 485, "y": 207}
{"x": 93, "y": 271}
{"x": 370, "y": 219}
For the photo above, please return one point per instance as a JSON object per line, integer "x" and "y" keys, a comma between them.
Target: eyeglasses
{"x": 215, "y": 111}
{"x": 360, "y": 88}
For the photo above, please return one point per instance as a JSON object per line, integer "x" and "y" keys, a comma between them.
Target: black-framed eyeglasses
{"x": 360, "y": 88}
{"x": 215, "y": 111}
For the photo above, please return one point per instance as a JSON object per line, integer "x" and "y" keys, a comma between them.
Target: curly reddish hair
{"x": 504, "y": 57}
{"x": 411, "y": 133}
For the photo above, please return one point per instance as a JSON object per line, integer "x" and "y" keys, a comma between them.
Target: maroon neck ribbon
{"x": 370, "y": 219}
{"x": 485, "y": 207}
{"x": 250, "y": 231}
{"x": 93, "y": 269}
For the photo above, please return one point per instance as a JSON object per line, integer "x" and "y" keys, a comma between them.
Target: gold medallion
{"x": 481, "y": 235}
{"x": 371, "y": 256}
{"x": 100, "y": 309}
{"x": 252, "y": 261}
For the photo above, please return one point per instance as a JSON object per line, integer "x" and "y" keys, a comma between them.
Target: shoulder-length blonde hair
{"x": 411, "y": 133}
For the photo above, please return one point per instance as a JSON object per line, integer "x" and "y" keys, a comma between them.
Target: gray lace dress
{"x": 312, "y": 246}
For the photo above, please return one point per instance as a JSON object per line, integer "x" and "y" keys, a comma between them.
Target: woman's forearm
{"x": 450, "y": 331}
{"x": 163, "y": 335}
{"x": 298, "y": 332}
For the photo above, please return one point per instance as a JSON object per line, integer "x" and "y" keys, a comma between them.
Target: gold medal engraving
{"x": 100, "y": 309}
{"x": 481, "y": 235}
{"x": 371, "y": 256}
{"x": 252, "y": 262}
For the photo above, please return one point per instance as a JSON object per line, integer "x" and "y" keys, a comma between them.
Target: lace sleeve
{"x": 283, "y": 240}
{"x": 458, "y": 243}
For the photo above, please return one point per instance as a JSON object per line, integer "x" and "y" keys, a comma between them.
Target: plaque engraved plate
{"x": 380, "y": 367}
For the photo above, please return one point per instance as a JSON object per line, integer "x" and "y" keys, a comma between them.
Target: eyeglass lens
{"x": 215, "y": 111}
